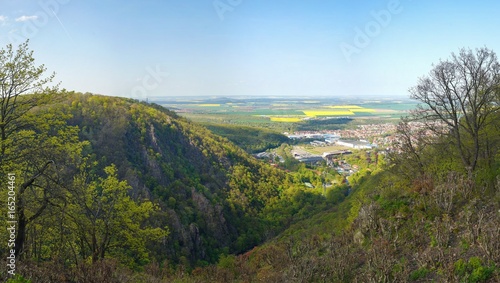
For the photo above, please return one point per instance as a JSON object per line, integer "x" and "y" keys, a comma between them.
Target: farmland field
{"x": 285, "y": 119}
{"x": 288, "y": 114}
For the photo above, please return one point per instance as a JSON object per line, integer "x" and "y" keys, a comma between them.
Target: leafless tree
{"x": 462, "y": 93}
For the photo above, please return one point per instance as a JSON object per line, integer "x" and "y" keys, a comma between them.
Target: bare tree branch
{"x": 463, "y": 94}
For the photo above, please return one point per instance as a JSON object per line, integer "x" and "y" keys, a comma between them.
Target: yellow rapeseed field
{"x": 285, "y": 119}
{"x": 315, "y": 113}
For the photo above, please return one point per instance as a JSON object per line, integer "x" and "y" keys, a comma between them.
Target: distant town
{"x": 331, "y": 145}
{"x": 381, "y": 136}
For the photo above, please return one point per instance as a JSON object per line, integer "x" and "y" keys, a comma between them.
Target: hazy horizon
{"x": 291, "y": 96}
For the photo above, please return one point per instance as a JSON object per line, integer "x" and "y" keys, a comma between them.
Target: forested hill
{"x": 211, "y": 191}
{"x": 135, "y": 183}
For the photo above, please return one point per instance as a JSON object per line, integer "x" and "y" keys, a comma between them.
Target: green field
{"x": 288, "y": 114}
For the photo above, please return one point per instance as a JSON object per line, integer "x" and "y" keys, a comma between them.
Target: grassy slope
{"x": 387, "y": 231}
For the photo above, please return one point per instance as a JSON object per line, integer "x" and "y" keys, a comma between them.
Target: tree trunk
{"x": 23, "y": 221}
{"x": 21, "y": 230}
{"x": 95, "y": 251}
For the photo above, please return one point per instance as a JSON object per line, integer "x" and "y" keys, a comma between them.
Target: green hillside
{"x": 135, "y": 183}
{"x": 394, "y": 227}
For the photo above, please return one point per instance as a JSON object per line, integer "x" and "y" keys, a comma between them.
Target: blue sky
{"x": 246, "y": 47}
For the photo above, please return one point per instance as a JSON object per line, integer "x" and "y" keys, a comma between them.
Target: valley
{"x": 276, "y": 189}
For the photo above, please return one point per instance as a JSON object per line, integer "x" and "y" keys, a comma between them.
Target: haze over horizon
{"x": 177, "y": 48}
